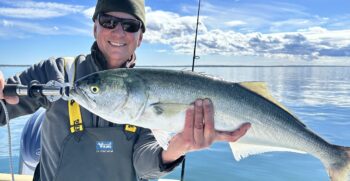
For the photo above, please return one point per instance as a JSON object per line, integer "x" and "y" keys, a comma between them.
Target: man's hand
{"x": 199, "y": 132}
{"x": 8, "y": 99}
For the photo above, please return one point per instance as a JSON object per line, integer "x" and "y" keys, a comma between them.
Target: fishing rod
{"x": 193, "y": 62}
{"x": 195, "y": 39}
{"x": 52, "y": 90}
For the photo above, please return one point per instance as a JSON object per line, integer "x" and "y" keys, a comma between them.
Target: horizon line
{"x": 206, "y": 65}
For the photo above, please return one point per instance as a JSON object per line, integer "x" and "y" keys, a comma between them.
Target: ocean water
{"x": 319, "y": 96}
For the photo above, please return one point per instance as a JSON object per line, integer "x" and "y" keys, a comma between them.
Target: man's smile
{"x": 117, "y": 44}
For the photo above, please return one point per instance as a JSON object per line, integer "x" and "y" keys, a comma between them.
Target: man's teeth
{"x": 117, "y": 44}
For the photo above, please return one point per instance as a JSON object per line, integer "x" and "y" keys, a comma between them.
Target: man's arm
{"x": 43, "y": 72}
{"x": 147, "y": 157}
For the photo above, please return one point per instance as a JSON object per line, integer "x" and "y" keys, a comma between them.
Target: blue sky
{"x": 244, "y": 32}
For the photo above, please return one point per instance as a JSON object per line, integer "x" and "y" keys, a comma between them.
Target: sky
{"x": 231, "y": 32}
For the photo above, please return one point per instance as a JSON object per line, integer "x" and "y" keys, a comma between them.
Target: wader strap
{"x": 75, "y": 120}
{"x": 130, "y": 128}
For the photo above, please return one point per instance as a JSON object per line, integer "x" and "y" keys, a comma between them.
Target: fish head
{"x": 101, "y": 92}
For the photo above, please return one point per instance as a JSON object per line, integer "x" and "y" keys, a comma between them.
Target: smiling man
{"x": 79, "y": 145}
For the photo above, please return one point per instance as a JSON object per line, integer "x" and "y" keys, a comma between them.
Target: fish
{"x": 157, "y": 99}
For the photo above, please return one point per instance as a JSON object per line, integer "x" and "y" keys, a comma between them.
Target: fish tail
{"x": 340, "y": 170}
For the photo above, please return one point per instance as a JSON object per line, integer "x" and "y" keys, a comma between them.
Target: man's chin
{"x": 116, "y": 62}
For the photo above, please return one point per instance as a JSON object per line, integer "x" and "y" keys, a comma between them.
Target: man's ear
{"x": 95, "y": 30}
{"x": 140, "y": 39}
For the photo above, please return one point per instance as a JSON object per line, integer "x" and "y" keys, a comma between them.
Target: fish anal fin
{"x": 243, "y": 150}
{"x": 162, "y": 137}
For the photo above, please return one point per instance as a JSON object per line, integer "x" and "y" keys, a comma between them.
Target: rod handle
{"x": 10, "y": 90}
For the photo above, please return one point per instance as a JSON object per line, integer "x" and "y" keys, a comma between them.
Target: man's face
{"x": 117, "y": 45}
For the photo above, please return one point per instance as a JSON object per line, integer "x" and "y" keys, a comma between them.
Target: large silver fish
{"x": 158, "y": 99}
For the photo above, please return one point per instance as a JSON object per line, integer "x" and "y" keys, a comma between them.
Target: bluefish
{"x": 158, "y": 99}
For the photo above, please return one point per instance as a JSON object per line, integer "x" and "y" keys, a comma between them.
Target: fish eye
{"x": 94, "y": 89}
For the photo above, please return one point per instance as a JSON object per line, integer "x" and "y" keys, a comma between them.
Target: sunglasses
{"x": 110, "y": 22}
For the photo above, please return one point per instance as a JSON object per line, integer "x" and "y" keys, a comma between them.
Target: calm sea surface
{"x": 319, "y": 96}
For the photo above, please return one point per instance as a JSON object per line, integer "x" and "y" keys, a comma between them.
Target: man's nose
{"x": 119, "y": 29}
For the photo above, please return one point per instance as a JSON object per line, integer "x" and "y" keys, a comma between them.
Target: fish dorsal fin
{"x": 261, "y": 89}
{"x": 242, "y": 150}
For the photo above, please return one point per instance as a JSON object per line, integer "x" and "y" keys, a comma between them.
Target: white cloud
{"x": 178, "y": 31}
{"x": 303, "y": 35}
{"x": 162, "y": 50}
{"x": 162, "y": 24}
{"x": 26, "y": 18}
{"x": 37, "y": 10}
{"x": 235, "y": 23}
{"x": 89, "y": 12}
{"x": 278, "y": 26}
{"x": 256, "y": 16}
{"x": 22, "y": 29}
{"x": 29, "y": 27}
{"x": 29, "y": 13}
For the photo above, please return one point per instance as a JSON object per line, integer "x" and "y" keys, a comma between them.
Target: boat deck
{"x": 7, "y": 177}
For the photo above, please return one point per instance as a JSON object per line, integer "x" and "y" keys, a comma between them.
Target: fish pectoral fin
{"x": 243, "y": 150}
{"x": 168, "y": 109}
{"x": 162, "y": 137}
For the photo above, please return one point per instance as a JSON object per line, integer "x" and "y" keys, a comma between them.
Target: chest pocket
{"x": 98, "y": 154}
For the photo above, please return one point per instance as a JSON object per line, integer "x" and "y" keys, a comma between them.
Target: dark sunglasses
{"x": 110, "y": 22}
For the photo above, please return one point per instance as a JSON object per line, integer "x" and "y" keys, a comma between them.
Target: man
{"x": 125, "y": 154}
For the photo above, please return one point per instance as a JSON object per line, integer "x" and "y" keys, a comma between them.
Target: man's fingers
{"x": 12, "y": 99}
{"x": 198, "y": 124}
{"x": 234, "y": 135}
{"x": 189, "y": 121}
{"x": 241, "y": 131}
{"x": 209, "y": 131}
{"x": 2, "y": 85}
{"x": 8, "y": 99}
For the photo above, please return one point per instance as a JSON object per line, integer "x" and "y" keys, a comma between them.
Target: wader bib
{"x": 95, "y": 154}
